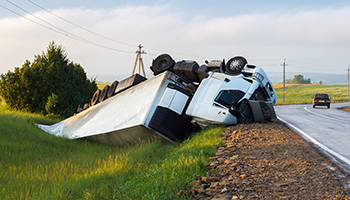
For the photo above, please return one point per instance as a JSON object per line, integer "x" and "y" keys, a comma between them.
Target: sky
{"x": 103, "y": 36}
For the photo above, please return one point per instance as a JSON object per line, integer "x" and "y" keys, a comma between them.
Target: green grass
{"x": 303, "y": 94}
{"x": 37, "y": 165}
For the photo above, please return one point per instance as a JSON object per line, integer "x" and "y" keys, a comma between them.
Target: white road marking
{"x": 325, "y": 116}
{"x": 340, "y": 157}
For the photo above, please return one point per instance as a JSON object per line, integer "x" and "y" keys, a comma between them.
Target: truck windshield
{"x": 229, "y": 97}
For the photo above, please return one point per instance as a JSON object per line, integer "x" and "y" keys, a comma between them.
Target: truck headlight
{"x": 258, "y": 76}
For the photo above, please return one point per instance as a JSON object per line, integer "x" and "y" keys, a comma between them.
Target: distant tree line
{"x": 50, "y": 85}
{"x": 298, "y": 79}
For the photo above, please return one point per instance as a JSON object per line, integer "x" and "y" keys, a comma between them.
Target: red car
{"x": 321, "y": 100}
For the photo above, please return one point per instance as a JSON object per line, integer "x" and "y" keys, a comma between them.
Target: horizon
{"x": 275, "y": 77}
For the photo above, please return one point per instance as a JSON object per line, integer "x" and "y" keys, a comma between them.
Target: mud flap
{"x": 262, "y": 110}
{"x": 248, "y": 111}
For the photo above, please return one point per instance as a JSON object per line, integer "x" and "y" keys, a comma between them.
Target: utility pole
{"x": 138, "y": 58}
{"x": 348, "y": 79}
{"x": 284, "y": 79}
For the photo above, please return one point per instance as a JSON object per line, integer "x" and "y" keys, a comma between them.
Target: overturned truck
{"x": 181, "y": 97}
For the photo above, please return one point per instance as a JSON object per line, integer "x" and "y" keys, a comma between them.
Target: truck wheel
{"x": 103, "y": 95}
{"x": 86, "y": 106}
{"x": 222, "y": 66}
{"x": 162, "y": 63}
{"x": 96, "y": 97}
{"x": 235, "y": 65}
{"x": 112, "y": 89}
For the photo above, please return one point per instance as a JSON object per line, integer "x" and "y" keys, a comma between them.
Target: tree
{"x": 50, "y": 75}
{"x": 299, "y": 79}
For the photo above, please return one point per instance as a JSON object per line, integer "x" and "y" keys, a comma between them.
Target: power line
{"x": 70, "y": 35}
{"x": 45, "y": 21}
{"x": 62, "y": 31}
{"x": 31, "y": 20}
{"x": 318, "y": 65}
{"x": 172, "y": 52}
{"x": 314, "y": 69}
{"x": 97, "y": 34}
{"x": 74, "y": 24}
{"x": 320, "y": 68}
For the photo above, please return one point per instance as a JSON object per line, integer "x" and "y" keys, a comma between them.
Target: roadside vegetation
{"x": 37, "y": 165}
{"x": 51, "y": 84}
{"x": 303, "y": 93}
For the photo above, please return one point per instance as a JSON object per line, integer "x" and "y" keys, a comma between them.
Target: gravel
{"x": 268, "y": 161}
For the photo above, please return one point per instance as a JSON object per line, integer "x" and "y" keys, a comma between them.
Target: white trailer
{"x": 152, "y": 108}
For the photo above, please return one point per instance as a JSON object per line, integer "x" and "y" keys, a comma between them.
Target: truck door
{"x": 261, "y": 107}
{"x": 169, "y": 117}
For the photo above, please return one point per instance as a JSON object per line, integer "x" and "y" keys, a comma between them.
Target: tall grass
{"x": 303, "y": 94}
{"x": 37, "y": 165}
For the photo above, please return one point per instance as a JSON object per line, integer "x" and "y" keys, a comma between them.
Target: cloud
{"x": 306, "y": 36}
{"x": 313, "y": 27}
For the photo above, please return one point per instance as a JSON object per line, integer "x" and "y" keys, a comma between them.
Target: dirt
{"x": 269, "y": 161}
{"x": 345, "y": 109}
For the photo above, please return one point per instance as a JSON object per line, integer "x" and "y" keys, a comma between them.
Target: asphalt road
{"x": 326, "y": 129}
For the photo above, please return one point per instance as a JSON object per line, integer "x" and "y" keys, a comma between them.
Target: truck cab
{"x": 228, "y": 93}
{"x": 230, "y": 99}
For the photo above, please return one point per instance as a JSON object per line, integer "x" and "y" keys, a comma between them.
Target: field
{"x": 303, "y": 94}
{"x": 37, "y": 165}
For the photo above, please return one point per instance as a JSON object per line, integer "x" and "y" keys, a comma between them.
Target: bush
{"x": 299, "y": 79}
{"x": 28, "y": 88}
{"x": 51, "y": 103}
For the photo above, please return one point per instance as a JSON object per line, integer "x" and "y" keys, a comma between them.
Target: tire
{"x": 163, "y": 62}
{"x": 86, "y": 106}
{"x": 112, "y": 89}
{"x": 103, "y": 95}
{"x": 313, "y": 106}
{"x": 328, "y": 106}
{"x": 235, "y": 65}
{"x": 222, "y": 66}
{"x": 96, "y": 97}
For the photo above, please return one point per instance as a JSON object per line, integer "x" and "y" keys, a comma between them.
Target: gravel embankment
{"x": 269, "y": 161}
